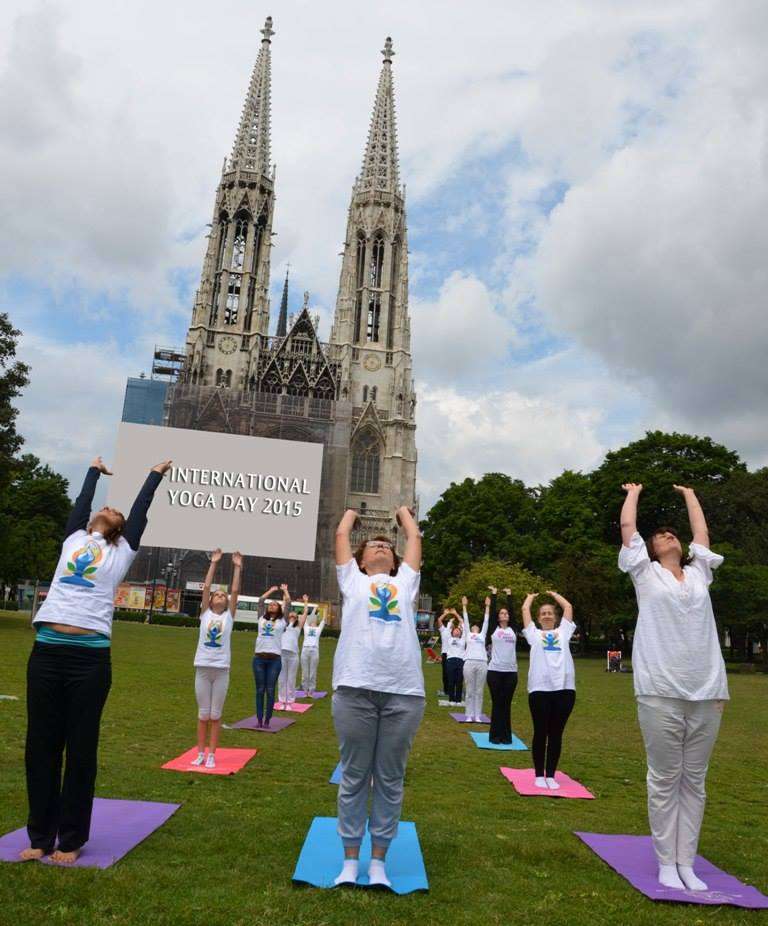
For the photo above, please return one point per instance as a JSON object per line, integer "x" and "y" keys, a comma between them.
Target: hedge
{"x": 184, "y": 620}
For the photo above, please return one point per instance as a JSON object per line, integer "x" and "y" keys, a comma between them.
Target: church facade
{"x": 354, "y": 392}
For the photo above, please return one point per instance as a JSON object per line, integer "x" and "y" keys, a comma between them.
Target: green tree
{"x": 475, "y": 579}
{"x": 33, "y": 511}
{"x": 740, "y": 600}
{"x": 491, "y": 517}
{"x": 737, "y": 513}
{"x": 14, "y": 376}
{"x": 658, "y": 461}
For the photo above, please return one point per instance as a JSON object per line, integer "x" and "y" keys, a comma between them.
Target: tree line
{"x": 565, "y": 535}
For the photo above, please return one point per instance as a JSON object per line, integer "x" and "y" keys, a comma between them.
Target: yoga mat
{"x": 634, "y": 859}
{"x": 335, "y": 778}
{"x": 322, "y": 856}
{"x": 228, "y": 761}
{"x": 116, "y": 828}
{"x": 276, "y": 724}
{"x": 294, "y": 708}
{"x": 8, "y": 698}
{"x": 316, "y": 696}
{"x": 442, "y": 703}
{"x": 462, "y": 718}
{"x": 482, "y": 742}
{"x": 523, "y": 780}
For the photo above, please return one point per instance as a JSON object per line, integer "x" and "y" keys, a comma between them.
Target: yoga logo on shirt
{"x": 214, "y": 635}
{"x": 84, "y": 562}
{"x": 550, "y": 641}
{"x": 310, "y": 633}
{"x": 383, "y": 601}
{"x": 268, "y": 629}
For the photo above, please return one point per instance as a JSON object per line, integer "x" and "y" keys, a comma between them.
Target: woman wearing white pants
{"x": 679, "y": 677}
{"x": 310, "y": 654}
{"x": 289, "y": 657}
{"x": 475, "y": 663}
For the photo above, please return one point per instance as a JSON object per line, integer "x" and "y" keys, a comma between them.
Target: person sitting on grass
{"x": 213, "y": 657}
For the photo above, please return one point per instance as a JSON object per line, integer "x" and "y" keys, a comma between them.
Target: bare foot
{"x": 65, "y": 858}
{"x": 26, "y": 854}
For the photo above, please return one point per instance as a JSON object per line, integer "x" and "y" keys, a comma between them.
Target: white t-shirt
{"x": 214, "y": 642}
{"x": 503, "y": 650}
{"x": 551, "y": 667}
{"x": 82, "y": 592}
{"x": 455, "y": 647}
{"x": 378, "y": 647}
{"x": 676, "y": 651}
{"x": 270, "y": 637}
{"x": 312, "y": 635}
{"x": 290, "y": 642}
{"x": 475, "y": 641}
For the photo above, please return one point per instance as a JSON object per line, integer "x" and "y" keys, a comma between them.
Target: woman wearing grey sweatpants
{"x": 679, "y": 678}
{"x": 378, "y": 698}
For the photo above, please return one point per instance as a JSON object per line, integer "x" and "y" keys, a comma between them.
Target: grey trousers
{"x": 310, "y": 656}
{"x": 679, "y": 737}
{"x": 375, "y": 732}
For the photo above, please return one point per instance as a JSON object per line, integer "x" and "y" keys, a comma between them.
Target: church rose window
{"x": 366, "y": 457}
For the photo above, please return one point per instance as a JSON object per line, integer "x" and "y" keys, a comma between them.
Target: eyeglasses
{"x": 378, "y": 545}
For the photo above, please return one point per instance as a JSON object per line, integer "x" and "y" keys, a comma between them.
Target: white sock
{"x": 348, "y": 873}
{"x": 668, "y": 877}
{"x": 377, "y": 873}
{"x": 689, "y": 879}
{"x": 210, "y": 762}
{"x": 552, "y": 784}
{"x": 199, "y": 760}
{"x": 541, "y": 781}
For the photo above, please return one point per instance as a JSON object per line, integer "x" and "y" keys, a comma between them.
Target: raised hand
{"x": 507, "y": 591}
{"x": 636, "y": 487}
{"x": 683, "y": 490}
{"x": 487, "y": 601}
{"x": 101, "y": 466}
{"x": 162, "y": 468}
{"x": 216, "y": 555}
{"x": 492, "y": 589}
{"x": 237, "y": 559}
{"x": 529, "y": 597}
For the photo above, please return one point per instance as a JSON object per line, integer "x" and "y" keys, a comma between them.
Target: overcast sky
{"x": 587, "y": 201}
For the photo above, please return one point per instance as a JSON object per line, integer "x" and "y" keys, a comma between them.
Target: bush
{"x": 9, "y": 605}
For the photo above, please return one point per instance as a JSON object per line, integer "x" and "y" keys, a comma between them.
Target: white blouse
{"x": 676, "y": 651}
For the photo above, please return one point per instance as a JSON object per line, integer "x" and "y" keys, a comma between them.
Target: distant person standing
{"x": 310, "y": 653}
{"x": 289, "y": 656}
{"x": 502, "y": 669}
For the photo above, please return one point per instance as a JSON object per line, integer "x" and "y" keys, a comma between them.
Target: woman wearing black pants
{"x": 69, "y": 672}
{"x": 502, "y": 669}
{"x": 551, "y": 683}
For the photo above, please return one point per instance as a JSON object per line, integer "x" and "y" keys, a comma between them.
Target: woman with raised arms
{"x": 266, "y": 656}
{"x": 551, "y": 683}
{"x": 475, "y": 663}
{"x": 70, "y": 673}
{"x": 679, "y": 678}
{"x": 378, "y": 698}
{"x": 502, "y": 669}
{"x": 213, "y": 657}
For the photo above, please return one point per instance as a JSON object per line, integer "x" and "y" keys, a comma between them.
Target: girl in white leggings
{"x": 475, "y": 663}
{"x": 679, "y": 678}
{"x": 213, "y": 656}
{"x": 310, "y": 654}
{"x": 289, "y": 656}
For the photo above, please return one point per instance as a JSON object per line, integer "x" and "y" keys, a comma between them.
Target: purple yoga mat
{"x": 634, "y": 859}
{"x": 315, "y": 695}
{"x": 276, "y": 724}
{"x": 116, "y": 828}
{"x": 462, "y": 718}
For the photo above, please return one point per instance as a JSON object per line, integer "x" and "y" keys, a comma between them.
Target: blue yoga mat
{"x": 322, "y": 856}
{"x": 335, "y": 778}
{"x": 482, "y": 742}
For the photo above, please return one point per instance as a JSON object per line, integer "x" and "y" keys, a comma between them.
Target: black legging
{"x": 455, "y": 669}
{"x": 502, "y": 686}
{"x": 550, "y": 711}
{"x": 444, "y": 660}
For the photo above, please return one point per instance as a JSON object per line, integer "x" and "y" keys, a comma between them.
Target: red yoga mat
{"x": 228, "y": 761}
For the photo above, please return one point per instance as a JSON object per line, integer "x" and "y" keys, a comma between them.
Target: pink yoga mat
{"x": 462, "y": 718}
{"x": 294, "y": 708}
{"x": 276, "y": 724}
{"x": 523, "y": 781}
{"x": 116, "y": 828}
{"x": 228, "y": 761}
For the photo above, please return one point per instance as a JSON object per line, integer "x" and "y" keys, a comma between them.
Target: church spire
{"x": 380, "y": 163}
{"x": 251, "y": 150}
{"x": 282, "y": 321}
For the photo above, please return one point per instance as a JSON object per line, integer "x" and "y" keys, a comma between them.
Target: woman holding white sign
{"x": 266, "y": 660}
{"x": 213, "y": 656}
{"x": 289, "y": 656}
{"x": 69, "y": 673}
{"x": 378, "y": 698}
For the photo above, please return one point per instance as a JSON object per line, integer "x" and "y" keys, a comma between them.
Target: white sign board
{"x": 253, "y": 494}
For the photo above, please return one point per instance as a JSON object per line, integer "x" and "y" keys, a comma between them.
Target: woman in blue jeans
{"x": 266, "y": 660}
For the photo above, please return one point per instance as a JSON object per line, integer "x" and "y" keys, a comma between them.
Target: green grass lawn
{"x": 227, "y": 855}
